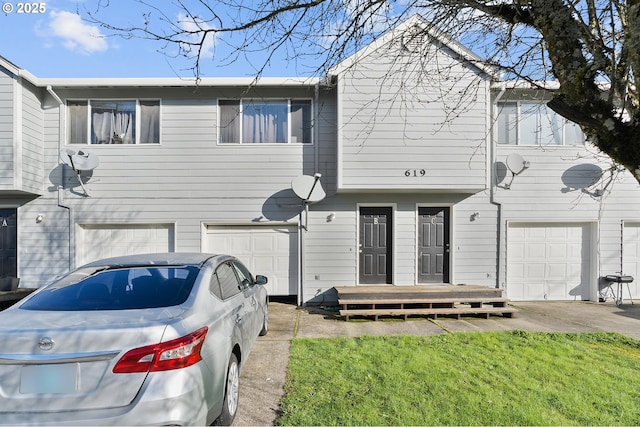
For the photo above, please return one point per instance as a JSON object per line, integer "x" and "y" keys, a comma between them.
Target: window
{"x": 522, "y": 123}
{"x": 113, "y": 122}
{"x": 254, "y": 121}
{"x": 229, "y": 285}
{"x": 132, "y": 288}
{"x": 243, "y": 275}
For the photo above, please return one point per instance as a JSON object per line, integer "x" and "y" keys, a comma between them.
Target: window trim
{"x": 138, "y": 125}
{"x": 270, "y": 99}
{"x": 566, "y": 123}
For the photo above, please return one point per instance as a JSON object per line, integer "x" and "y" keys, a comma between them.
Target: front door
{"x": 433, "y": 245}
{"x": 8, "y": 243}
{"x": 375, "y": 245}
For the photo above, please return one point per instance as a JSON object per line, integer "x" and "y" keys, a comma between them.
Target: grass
{"x": 499, "y": 378}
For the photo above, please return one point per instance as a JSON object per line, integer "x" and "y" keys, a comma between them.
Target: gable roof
{"x": 426, "y": 27}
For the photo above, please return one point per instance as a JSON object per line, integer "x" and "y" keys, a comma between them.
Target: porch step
{"x": 432, "y": 301}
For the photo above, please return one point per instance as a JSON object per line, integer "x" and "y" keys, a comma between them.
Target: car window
{"x": 229, "y": 284}
{"x": 117, "y": 289}
{"x": 243, "y": 275}
{"x": 214, "y": 286}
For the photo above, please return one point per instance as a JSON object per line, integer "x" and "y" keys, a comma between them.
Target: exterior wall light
{"x": 39, "y": 218}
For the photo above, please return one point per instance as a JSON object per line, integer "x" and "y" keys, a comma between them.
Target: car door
{"x": 251, "y": 293}
{"x": 241, "y": 309}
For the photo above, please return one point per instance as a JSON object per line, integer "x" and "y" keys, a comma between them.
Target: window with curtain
{"x": 252, "y": 121}
{"x": 522, "y": 123}
{"x": 113, "y": 122}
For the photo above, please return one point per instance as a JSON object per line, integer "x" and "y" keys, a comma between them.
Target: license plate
{"x": 54, "y": 378}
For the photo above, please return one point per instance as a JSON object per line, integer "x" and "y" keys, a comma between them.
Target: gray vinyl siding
{"x": 549, "y": 191}
{"x": 187, "y": 180}
{"x": 32, "y": 139}
{"x": 331, "y": 248}
{"x": 395, "y": 119}
{"x": 475, "y": 244}
{"x": 189, "y": 163}
{"x": 7, "y": 119}
{"x": 44, "y": 247}
{"x": 21, "y": 139}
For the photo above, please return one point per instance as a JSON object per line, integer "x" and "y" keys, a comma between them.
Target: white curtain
{"x": 77, "y": 123}
{"x": 102, "y": 127}
{"x": 229, "y": 121}
{"x": 149, "y": 122}
{"x": 265, "y": 122}
{"x": 113, "y": 122}
{"x": 123, "y": 128}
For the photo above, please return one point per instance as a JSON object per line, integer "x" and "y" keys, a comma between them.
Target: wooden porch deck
{"x": 423, "y": 300}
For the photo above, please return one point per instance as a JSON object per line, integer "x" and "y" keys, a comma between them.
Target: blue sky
{"x": 51, "y": 40}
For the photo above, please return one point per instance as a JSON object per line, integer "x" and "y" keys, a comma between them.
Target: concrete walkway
{"x": 264, "y": 375}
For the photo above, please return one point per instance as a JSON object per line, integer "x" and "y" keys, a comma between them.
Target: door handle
{"x": 238, "y": 318}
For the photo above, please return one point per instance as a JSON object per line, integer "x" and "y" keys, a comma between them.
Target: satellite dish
{"x": 79, "y": 161}
{"x": 516, "y": 163}
{"x": 308, "y": 188}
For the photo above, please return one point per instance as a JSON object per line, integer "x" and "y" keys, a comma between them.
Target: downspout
{"x": 316, "y": 129}
{"x": 492, "y": 186}
{"x": 302, "y": 229}
{"x": 302, "y": 222}
{"x": 61, "y": 186}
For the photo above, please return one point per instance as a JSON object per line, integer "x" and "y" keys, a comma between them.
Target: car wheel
{"x": 265, "y": 321}
{"x": 231, "y": 394}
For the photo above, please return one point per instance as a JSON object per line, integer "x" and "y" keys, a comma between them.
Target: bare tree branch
{"x": 590, "y": 47}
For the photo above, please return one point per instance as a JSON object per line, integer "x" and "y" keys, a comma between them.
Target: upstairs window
{"x": 251, "y": 121}
{"x": 113, "y": 122}
{"x": 521, "y": 123}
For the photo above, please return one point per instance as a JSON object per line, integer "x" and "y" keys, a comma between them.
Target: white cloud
{"x": 197, "y": 28}
{"x": 76, "y": 35}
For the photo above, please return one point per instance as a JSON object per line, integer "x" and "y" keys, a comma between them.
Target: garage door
{"x": 96, "y": 241}
{"x": 548, "y": 261}
{"x": 267, "y": 250}
{"x": 631, "y": 258}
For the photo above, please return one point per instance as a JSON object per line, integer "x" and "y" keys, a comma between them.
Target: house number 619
{"x": 415, "y": 172}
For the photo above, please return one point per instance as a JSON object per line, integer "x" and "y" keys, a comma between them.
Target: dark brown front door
{"x": 433, "y": 245}
{"x": 8, "y": 243}
{"x": 375, "y": 245}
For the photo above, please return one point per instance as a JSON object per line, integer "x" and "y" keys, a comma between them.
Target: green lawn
{"x": 502, "y": 378}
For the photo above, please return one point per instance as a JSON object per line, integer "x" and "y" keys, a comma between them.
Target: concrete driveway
{"x": 264, "y": 375}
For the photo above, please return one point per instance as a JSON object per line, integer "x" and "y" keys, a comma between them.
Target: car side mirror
{"x": 261, "y": 280}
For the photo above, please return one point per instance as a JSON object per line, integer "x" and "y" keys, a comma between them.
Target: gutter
{"x": 60, "y": 187}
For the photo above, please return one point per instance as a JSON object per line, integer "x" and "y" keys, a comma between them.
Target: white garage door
{"x": 548, "y": 261}
{"x": 267, "y": 250}
{"x": 631, "y": 259}
{"x": 96, "y": 241}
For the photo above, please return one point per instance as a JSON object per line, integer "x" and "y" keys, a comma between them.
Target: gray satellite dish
{"x": 308, "y": 188}
{"x": 516, "y": 163}
{"x": 79, "y": 161}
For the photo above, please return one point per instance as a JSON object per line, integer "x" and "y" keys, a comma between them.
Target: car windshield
{"x": 116, "y": 289}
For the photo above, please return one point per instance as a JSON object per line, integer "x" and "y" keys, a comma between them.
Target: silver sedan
{"x": 153, "y": 339}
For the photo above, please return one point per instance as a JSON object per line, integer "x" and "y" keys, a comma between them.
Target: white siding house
{"x": 434, "y": 172}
